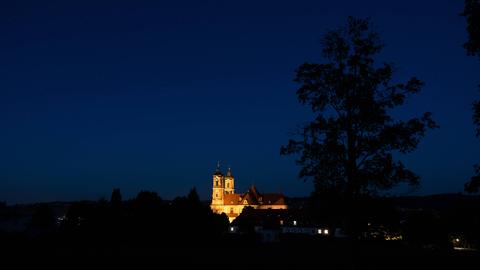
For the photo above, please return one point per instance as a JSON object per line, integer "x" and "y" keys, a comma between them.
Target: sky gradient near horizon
{"x": 148, "y": 95}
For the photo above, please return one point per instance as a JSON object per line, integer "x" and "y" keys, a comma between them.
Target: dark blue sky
{"x": 149, "y": 95}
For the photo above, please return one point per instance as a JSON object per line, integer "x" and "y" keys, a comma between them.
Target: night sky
{"x": 143, "y": 95}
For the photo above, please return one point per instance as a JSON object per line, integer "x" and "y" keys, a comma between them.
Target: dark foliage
{"x": 116, "y": 198}
{"x": 473, "y": 185}
{"x": 471, "y": 13}
{"x": 476, "y": 116}
{"x": 146, "y": 221}
{"x": 150, "y": 230}
{"x": 348, "y": 148}
{"x": 193, "y": 197}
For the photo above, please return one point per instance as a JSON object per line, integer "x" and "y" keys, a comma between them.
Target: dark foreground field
{"x": 322, "y": 254}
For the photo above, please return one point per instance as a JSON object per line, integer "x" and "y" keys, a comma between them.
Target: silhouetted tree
{"x": 147, "y": 200}
{"x": 193, "y": 197}
{"x": 471, "y": 13}
{"x": 145, "y": 221}
{"x": 146, "y": 207}
{"x": 116, "y": 198}
{"x": 474, "y": 184}
{"x": 348, "y": 148}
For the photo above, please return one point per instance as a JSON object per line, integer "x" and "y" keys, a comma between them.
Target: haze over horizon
{"x": 149, "y": 96}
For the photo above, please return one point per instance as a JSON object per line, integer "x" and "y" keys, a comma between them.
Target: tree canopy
{"x": 472, "y": 16}
{"x": 471, "y": 13}
{"x": 348, "y": 148}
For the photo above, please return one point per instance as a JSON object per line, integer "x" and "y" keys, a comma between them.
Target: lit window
{"x": 294, "y": 223}
{"x": 325, "y": 231}
{"x": 232, "y": 229}
{"x": 319, "y": 231}
{"x": 281, "y": 222}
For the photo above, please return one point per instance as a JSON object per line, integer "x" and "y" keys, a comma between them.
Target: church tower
{"x": 229, "y": 182}
{"x": 218, "y": 187}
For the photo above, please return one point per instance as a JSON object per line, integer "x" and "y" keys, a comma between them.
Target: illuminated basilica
{"x": 225, "y": 200}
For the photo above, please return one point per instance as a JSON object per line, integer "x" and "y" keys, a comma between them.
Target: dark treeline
{"x": 185, "y": 230}
{"x": 143, "y": 222}
{"x": 146, "y": 220}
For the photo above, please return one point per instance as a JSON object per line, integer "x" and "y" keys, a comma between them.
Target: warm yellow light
{"x": 457, "y": 240}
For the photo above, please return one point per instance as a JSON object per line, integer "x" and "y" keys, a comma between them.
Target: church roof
{"x": 250, "y": 198}
{"x": 253, "y": 190}
{"x": 253, "y": 197}
{"x": 273, "y": 199}
{"x": 231, "y": 199}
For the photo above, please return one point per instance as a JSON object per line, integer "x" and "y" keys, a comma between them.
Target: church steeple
{"x": 217, "y": 170}
{"x": 229, "y": 172}
{"x": 229, "y": 182}
{"x": 218, "y": 186}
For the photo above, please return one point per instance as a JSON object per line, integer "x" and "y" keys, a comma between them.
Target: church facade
{"x": 225, "y": 200}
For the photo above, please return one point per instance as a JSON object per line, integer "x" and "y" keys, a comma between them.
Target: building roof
{"x": 231, "y": 199}
{"x": 273, "y": 199}
{"x": 253, "y": 197}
